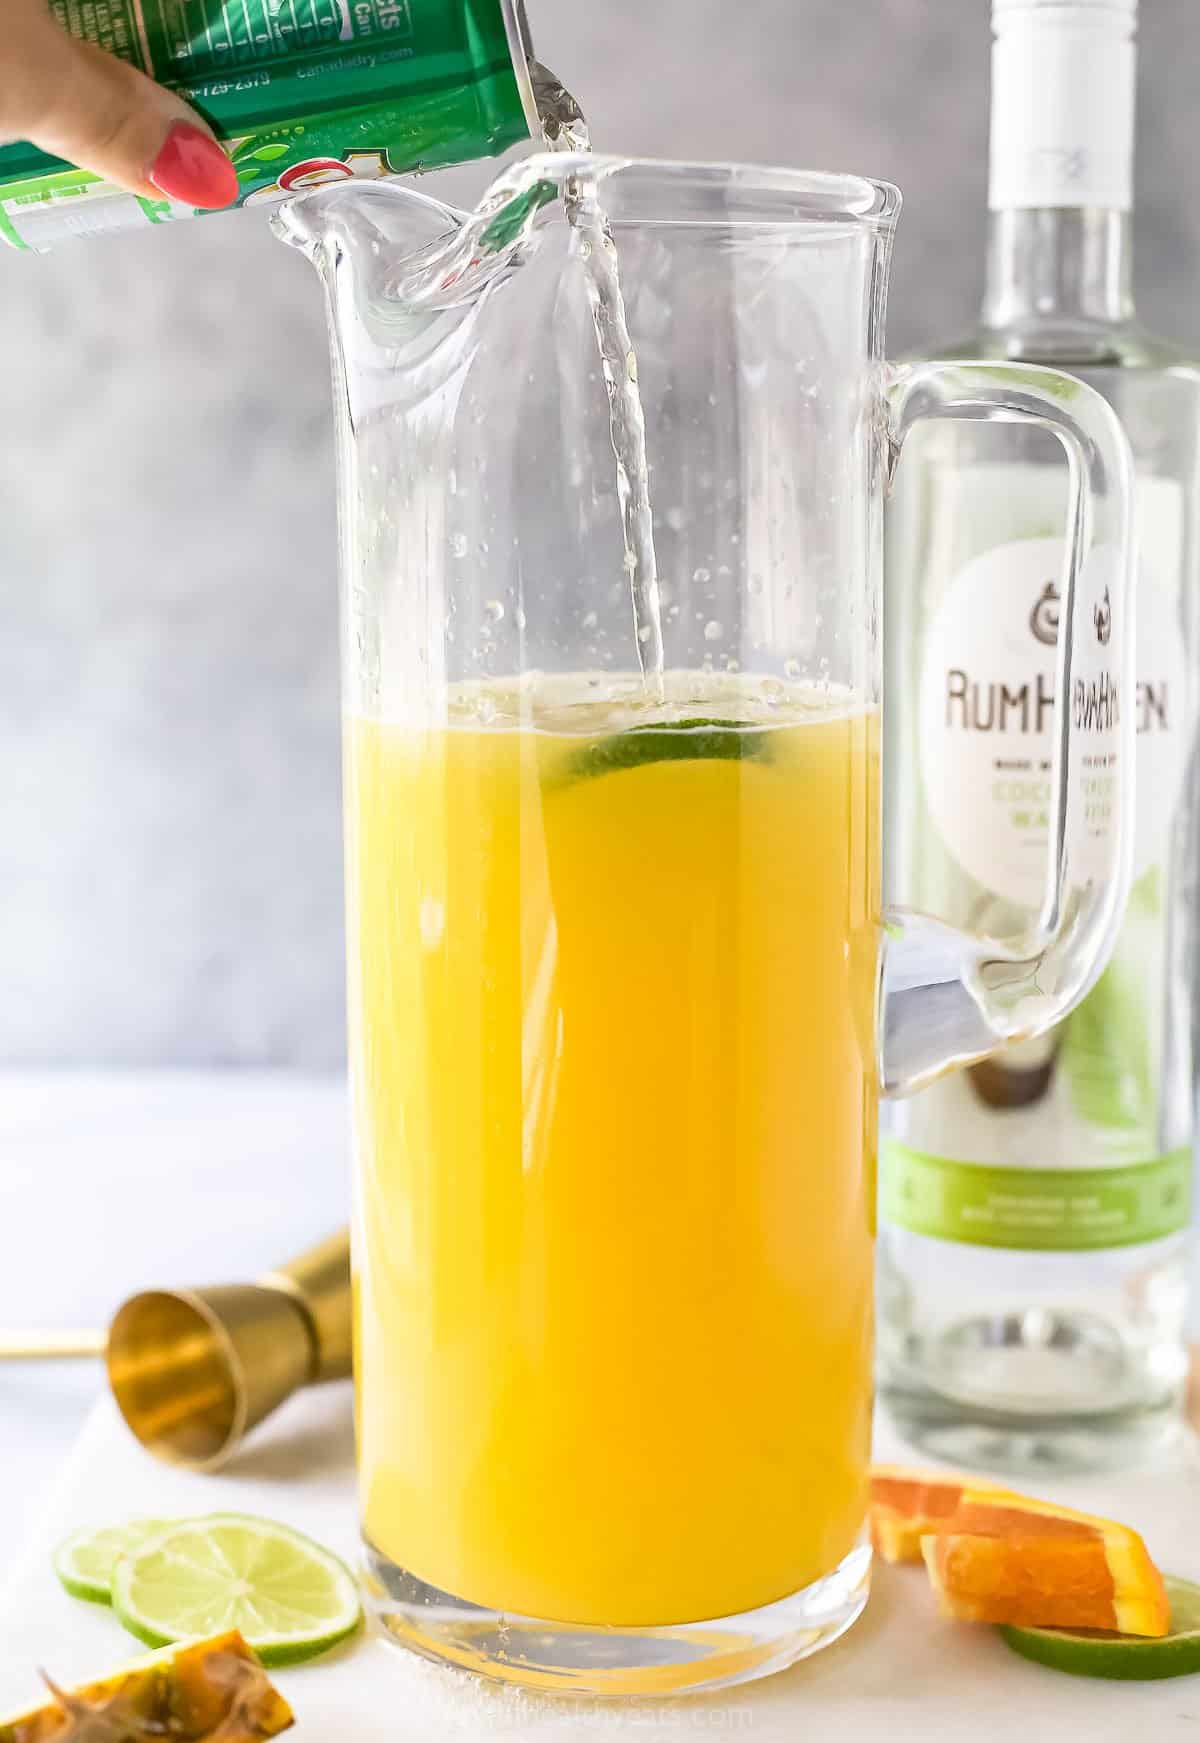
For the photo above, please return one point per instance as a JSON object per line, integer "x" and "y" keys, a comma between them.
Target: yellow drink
{"x": 612, "y": 1033}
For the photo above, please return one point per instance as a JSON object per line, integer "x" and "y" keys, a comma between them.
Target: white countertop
{"x": 114, "y": 1183}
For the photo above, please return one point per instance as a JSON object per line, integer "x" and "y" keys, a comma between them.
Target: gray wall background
{"x": 170, "y": 880}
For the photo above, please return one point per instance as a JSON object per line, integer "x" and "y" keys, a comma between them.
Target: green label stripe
{"x": 1035, "y": 1209}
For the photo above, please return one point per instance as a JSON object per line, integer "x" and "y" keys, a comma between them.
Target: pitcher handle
{"x": 950, "y": 996}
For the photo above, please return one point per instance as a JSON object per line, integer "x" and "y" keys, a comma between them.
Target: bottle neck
{"x": 1056, "y": 270}
{"x": 1061, "y": 174}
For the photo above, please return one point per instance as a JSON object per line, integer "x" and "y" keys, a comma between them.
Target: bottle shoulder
{"x": 1081, "y": 347}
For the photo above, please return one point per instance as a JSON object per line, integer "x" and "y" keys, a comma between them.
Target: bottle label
{"x": 1066, "y": 1141}
{"x": 1035, "y": 1209}
{"x": 1062, "y": 108}
{"x": 987, "y": 702}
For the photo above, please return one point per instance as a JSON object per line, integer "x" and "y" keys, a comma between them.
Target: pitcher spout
{"x": 384, "y": 221}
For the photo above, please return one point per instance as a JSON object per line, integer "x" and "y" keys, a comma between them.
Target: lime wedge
{"x": 1126, "y": 1657}
{"x": 289, "y": 1598}
{"x": 85, "y": 1562}
{"x": 670, "y": 741}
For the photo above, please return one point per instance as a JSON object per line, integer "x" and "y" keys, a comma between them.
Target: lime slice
{"x": 85, "y": 1562}
{"x": 672, "y": 741}
{"x": 289, "y": 1598}
{"x": 1131, "y": 1659}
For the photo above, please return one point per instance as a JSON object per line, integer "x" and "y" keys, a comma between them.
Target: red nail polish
{"x": 192, "y": 167}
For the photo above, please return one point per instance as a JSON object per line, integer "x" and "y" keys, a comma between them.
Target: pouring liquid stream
{"x": 483, "y": 246}
{"x": 564, "y": 128}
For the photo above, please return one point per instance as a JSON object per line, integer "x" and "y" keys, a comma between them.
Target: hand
{"x": 74, "y": 101}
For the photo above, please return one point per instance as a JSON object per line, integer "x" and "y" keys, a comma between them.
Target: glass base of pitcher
{"x": 1006, "y": 1439}
{"x": 564, "y": 1658}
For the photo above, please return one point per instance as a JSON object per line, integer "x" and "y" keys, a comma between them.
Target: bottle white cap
{"x": 1063, "y": 75}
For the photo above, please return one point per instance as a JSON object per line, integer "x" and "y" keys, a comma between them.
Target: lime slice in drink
{"x": 85, "y": 1562}
{"x": 289, "y": 1598}
{"x": 1123, "y": 1656}
{"x": 669, "y": 741}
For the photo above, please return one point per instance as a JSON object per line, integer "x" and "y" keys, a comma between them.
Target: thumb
{"x": 75, "y": 101}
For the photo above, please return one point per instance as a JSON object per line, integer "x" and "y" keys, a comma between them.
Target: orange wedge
{"x": 907, "y": 1504}
{"x": 1005, "y": 1558}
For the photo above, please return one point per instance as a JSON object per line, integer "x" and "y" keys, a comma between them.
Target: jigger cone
{"x": 194, "y": 1370}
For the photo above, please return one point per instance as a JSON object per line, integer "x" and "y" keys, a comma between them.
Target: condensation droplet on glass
{"x": 755, "y": 585}
{"x": 700, "y": 576}
{"x": 485, "y": 708}
{"x": 732, "y": 665}
{"x": 519, "y": 618}
{"x": 772, "y": 691}
{"x": 672, "y": 612}
{"x": 706, "y": 663}
{"x": 723, "y": 572}
{"x": 676, "y": 519}
{"x": 631, "y": 366}
{"x": 590, "y": 620}
{"x": 629, "y": 562}
{"x": 713, "y": 631}
{"x": 494, "y": 610}
{"x": 459, "y": 544}
{"x": 643, "y": 633}
{"x": 791, "y": 668}
{"x": 483, "y": 547}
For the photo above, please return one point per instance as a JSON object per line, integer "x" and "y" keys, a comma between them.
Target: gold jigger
{"x": 194, "y": 1370}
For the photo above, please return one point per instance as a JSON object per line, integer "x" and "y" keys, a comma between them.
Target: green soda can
{"x": 300, "y": 92}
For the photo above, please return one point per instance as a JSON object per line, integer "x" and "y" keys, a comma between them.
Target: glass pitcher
{"x": 621, "y": 991}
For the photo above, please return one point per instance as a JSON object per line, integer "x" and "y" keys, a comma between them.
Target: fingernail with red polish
{"x": 192, "y": 167}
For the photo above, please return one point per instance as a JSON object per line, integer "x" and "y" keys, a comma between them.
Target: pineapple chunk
{"x": 207, "y": 1689}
